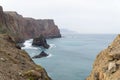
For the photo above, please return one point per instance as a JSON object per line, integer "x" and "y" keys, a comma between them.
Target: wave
{"x": 28, "y": 44}
{"x": 50, "y": 55}
{"x": 52, "y": 46}
{"x": 30, "y": 47}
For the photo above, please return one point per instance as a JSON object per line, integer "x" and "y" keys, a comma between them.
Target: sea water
{"x": 70, "y": 57}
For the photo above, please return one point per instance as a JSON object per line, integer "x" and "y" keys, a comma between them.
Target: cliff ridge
{"x": 23, "y": 28}
{"x": 107, "y": 63}
{"x": 16, "y": 64}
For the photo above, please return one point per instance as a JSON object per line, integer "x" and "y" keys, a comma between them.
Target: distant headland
{"x": 23, "y": 28}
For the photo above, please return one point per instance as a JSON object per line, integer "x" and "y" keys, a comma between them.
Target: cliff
{"x": 107, "y": 63}
{"x": 15, "y": 64}
{"x": 23, "y": 28}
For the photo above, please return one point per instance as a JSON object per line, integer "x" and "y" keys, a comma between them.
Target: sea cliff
{"x": 16, "y": 64}
{"x": 23, "y": 28}
{"x": 107, "y": 63}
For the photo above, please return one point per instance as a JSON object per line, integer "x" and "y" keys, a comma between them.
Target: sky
{"x": 83, "y": 16}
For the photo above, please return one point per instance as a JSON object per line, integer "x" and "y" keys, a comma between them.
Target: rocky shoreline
{"x": 16, "y": 64}
{"x": 40, "y": 41}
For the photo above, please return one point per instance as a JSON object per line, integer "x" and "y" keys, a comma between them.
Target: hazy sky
{"x": 84, "y": 16}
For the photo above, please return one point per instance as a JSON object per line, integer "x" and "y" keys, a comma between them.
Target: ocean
{"x": 70, "y": 57}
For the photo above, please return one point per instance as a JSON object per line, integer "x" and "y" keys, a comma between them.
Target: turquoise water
{"x": 71, "y": 57}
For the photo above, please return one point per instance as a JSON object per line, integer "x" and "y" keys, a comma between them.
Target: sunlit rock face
{"x": 107, "y": 63}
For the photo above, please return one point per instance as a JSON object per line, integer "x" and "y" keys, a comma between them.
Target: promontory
{"x": 23, "y": 28}
{"x": 16, "y": 64}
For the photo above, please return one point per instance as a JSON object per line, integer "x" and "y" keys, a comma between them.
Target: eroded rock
{"x": 40, "y": 41}
{"x": 15, "y": 62}
{"x": 112, "y": 67}
{"x": 42, "y": 54}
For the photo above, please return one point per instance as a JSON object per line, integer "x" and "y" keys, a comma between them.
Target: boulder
{"x": 112, "y": 67}
{"x": 42, "y": 54}
{"x": 40, "y": 41}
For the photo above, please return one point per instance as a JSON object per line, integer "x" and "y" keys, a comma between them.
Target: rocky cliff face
{"x": 15, "y": 64}
{"x": 107, "y": 63}
{"x": 25, "y": 28}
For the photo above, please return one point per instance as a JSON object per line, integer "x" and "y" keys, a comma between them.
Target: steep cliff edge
{"x": 15, "y": 64}
{"x": 107, "y": 63}
{"x": 23, "y": 28}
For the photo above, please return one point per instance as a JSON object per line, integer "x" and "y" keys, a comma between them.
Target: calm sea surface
{"x": 70, "y": 57}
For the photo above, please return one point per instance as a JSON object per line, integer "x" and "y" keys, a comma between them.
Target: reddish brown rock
{"x": 23, "y": 28}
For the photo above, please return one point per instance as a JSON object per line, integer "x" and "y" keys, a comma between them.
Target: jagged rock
{"x": 112, "y": 67}
{"x": 109, "y": 57}
{"x": 40, "y": 41}
{"x": 96, "y": 76}
{"x": 114, "y": 55}
{"x": 14, "y": 63}
{"x": 42, "y": 54}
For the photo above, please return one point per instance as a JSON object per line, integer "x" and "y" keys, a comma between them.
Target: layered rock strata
{"x": 23, "y": 28}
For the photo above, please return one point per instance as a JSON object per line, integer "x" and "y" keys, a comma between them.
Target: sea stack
{"x": 42, "y": 54}
{"x": 40, "y": 41}
{"x": 16, "y": 64}
{"x": 107, "y": 63}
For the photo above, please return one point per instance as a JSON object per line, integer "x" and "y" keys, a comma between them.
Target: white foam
{"x": 52, "y": 46}
{"x": 50, "y": 55}
{"x": 28, "y": 44}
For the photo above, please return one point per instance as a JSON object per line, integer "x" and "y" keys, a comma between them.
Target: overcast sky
{"x": 83, "y": 16}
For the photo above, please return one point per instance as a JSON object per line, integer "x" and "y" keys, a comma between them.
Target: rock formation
{"x": 23, "y": 28}
{"x": 107, "y": 63}
{"x": 42, "y": 54}
{"x": 15, "y": 64}
{"x": 40, "y": 41}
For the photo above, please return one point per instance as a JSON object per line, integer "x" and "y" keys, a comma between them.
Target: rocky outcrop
{"x": 40, "y": 41}
{"x": 42, "y": 54}
{"x": 23, "y": 28}
{"x": 107, "y": 63}
{"x": 15, "y": 64}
